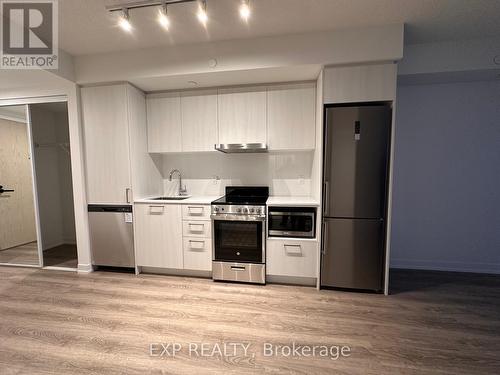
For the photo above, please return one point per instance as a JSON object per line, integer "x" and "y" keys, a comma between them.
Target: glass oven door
{"x": 238, "y": 241}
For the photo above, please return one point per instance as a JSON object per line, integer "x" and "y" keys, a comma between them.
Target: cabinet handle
{"x": 198, "y": 247}
{"x": 127, "y": 194}
{"x": 287, "y": 249}
{"x": 156, "y": 209}
{"x": 196, "y": 227}
{"x": 191, "y": 212}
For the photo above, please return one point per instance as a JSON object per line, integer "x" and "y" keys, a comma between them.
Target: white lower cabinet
{"x": 293, "y": 258}
{"x": 197, "y": 235}
{"x": 158, "y": 235}
{"x": 197, "y": 253}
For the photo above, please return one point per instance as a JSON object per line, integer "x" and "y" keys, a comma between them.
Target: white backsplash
{"x": 286, "y": 173}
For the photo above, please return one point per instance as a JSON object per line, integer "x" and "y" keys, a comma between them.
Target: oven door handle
{"x": 238, "y": 218}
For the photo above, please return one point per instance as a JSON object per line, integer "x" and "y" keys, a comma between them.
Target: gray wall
{"x": 446, "y": 202}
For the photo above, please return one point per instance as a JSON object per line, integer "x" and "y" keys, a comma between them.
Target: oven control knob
{"x": 245, "y": 210}
{"x": 252, "y": 210}
{"x": 238, "y": 209}
{"x": 257, "y": 211}
{"x": 216, "y": 209}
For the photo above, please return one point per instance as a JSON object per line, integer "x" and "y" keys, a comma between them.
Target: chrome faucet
{"x": 182, "y": 190}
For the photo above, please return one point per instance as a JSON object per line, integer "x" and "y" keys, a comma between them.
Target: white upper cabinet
{"x": 199, "y": 120}
{"x": 242, "y": 115}
{"x": 291, "y": 116}
{"x": 106, "y": 134}
{"x": 164, "y": 122}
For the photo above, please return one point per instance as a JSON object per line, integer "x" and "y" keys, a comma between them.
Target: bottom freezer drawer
{"x": 242, "y": 272}
{"x": 353, "y": 254}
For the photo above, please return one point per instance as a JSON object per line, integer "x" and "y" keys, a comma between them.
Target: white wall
{"x": 53, "y": 177}
{"x": 446, "y": 205}
{"x": 286, "y": 173}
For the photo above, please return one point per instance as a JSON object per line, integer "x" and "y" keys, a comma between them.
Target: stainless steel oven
{"x": 239, "y": 242}
{"x": 239, "y": 235}
{"x": 292, "y": 222}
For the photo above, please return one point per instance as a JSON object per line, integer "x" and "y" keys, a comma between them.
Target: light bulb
{"x": 124, "y": 22}
{"x": 202, "y": 12}
{"x": 163, "y": 17}
{"x": 245, "y": 10}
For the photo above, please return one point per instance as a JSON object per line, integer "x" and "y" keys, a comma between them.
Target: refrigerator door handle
{"x": 326, "y": 199}
{"x": 325, "y": 239}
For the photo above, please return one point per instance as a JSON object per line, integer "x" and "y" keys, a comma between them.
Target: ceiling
{"x": 87, "y": 28}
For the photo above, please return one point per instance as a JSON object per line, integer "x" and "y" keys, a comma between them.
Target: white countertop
{"x": 292, "y": 201}
{"x": 191, "y": 200}
{"x": 271, "y": 201}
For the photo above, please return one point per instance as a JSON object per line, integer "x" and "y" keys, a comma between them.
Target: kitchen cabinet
{"x": 197, "y": 236}
{"x": 164, "y": 122}
{"x": 196, "y": 212}
{"x": 107, "y": 145}
{"x": 197, "y": 254}
{"x": 158, "y": 235}
{"x": 199, "y": 120}
{"x": 242, "y": 115}
{"x": 291, "y": 257}
{"x": 291, "y": 116}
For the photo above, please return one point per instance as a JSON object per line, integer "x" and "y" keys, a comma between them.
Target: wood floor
{"x": 23, "y": 254}
{"x": 61, "y": 256}
{"x": 54, "y": 322}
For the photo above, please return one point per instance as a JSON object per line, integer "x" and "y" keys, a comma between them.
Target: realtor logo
{"x": 29, "y": 34}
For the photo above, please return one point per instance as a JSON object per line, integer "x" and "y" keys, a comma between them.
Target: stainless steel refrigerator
{"x": 356, "y": 159}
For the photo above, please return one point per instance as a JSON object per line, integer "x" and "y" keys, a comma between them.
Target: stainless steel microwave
{"x": 292, "y": 222}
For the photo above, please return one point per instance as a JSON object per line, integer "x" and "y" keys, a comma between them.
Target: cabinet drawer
{"x": 197, "y": 253}
{"x": 196, "y": 212}
{"x": 292, "y": 258}
{"x": 197, "y": 228}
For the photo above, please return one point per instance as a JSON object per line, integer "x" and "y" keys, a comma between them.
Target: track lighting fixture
{"x": 163, "y": 19}
{"x": 124, "y": 21}
{"x": 245, "y": 9}
{"x": 202, "y": 12}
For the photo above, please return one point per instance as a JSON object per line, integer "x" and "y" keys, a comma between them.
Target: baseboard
{"x": 85, "y": 268}
{"x": 175, "y": 272}
{"x": 476, "y": 267}
{"x": 291, "y": 280}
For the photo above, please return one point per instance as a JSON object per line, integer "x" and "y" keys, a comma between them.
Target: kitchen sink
{"x": 172, "y": 198}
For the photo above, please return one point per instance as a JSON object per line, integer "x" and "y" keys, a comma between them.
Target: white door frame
{"x": 26, "y": 102}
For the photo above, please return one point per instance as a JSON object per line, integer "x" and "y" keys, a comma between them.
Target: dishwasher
{"x": 111, "y": 235}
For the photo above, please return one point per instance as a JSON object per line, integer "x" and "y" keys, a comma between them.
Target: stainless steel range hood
{"x": 235, "y": 148}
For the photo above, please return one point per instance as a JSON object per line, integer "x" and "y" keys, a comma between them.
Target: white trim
{"x": 19, "y": 265}
{"x": 476, "y": 267}
{"x": 33, "y": 100}
{"x": 58, "y": 268}
{"x": 12, "y": 118}
{"x": 85, "y": 268}
{"x": 35, "y": 190}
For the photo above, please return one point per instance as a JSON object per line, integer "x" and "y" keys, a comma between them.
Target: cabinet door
{"x": 164, "y": 122}
{"x": 291, "y": 116}
{"x": 199, "y": 120}
{"x": 294, "y": 258}
{"x": 106, "y": 134}
{"x": 242, "y": 115}
{"x": 197, "y": 253}
{"x": 158, "y": 232}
